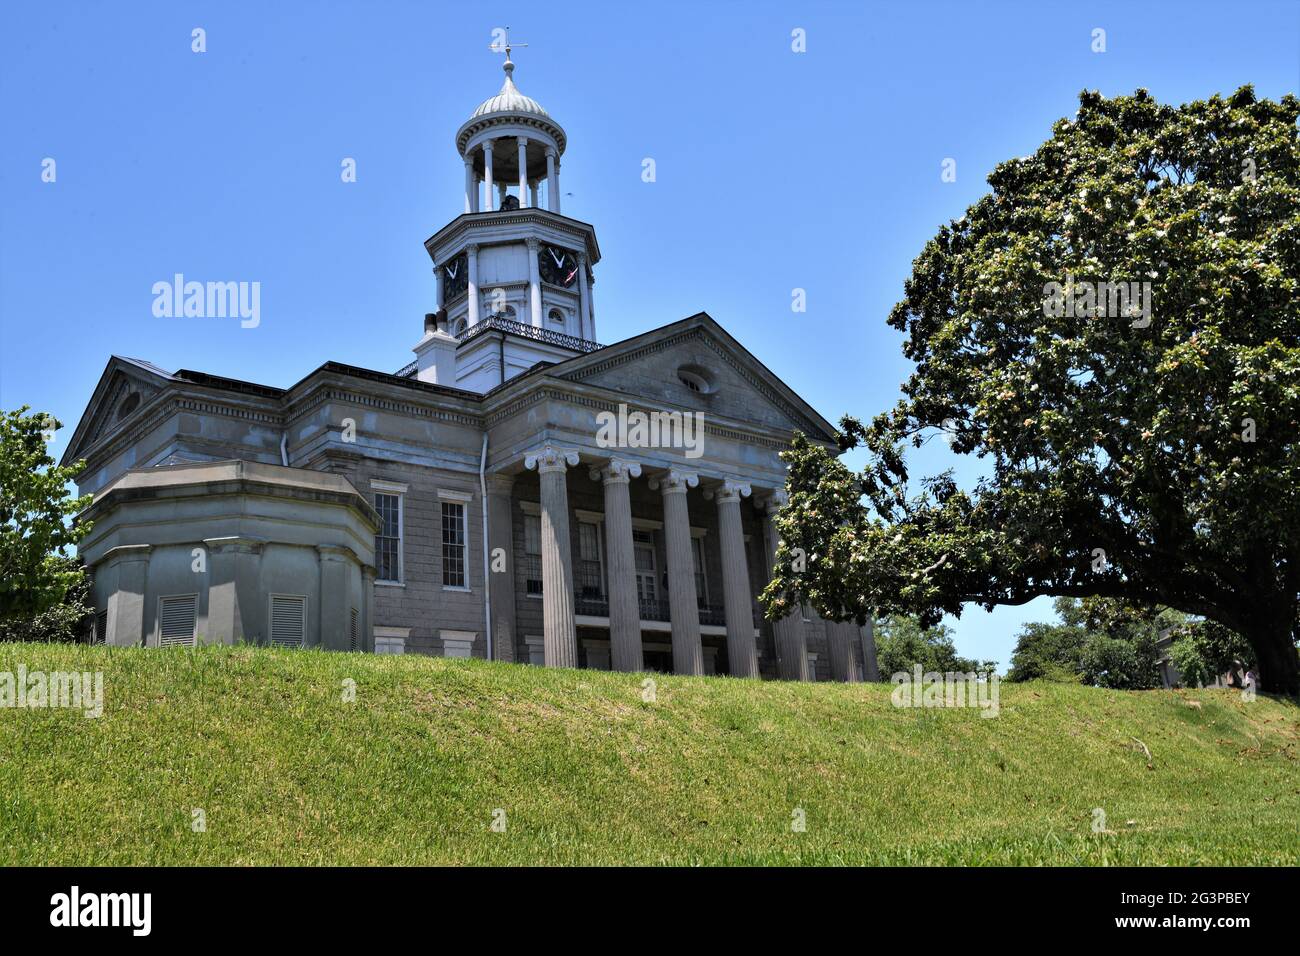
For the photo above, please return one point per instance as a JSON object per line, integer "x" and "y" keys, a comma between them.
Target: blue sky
{"x": 775, "y": 170}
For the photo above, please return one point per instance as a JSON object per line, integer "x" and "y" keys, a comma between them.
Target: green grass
{"x": 586, "y": 772}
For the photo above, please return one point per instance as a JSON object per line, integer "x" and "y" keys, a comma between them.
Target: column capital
{"x": 522, "y": 140}
{"x": 533, "y": 243}
{"x": 550, "y": 458}
{"x": 775, "y": 502}
{"x": 469, "y": 160}
{"x": 551, "y": 153}
{"x": 675, "y": 480}
{"x": 616, "y": 470}
{"x": 472, "y": 248}
{"x": 731, "y": 489}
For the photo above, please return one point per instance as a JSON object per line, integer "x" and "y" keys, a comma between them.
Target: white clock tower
{"x": 514, "y": 276}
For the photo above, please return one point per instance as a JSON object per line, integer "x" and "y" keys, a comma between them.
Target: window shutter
{"x": 177, "y": 617}
{"x": 288, "y": 620}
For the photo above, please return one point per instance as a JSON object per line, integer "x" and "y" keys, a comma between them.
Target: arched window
{"x": 556, "y": 316}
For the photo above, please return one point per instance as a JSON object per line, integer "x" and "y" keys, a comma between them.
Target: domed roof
{"x": 510, "y": 100}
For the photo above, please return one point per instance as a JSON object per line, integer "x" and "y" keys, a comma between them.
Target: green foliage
{"x": 1156, "y": 462}
{"x": 68, "y": 620}
{"x": 901, "y": 644}
{"x": 35, "y": 508}
{"x": 410, "y": 771}
{"x": 1102, "y": 642}
{"x": 1204, "y": 650}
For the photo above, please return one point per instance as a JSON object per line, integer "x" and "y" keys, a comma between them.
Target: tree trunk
{"x": 1279, "y": 665}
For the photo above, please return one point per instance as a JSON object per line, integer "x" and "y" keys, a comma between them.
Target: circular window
{"x": 129, "y": 404}
{"x": 695, "y": 378}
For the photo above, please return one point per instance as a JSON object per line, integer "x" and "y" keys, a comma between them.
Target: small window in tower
{"x": 556, "y": 316}
{"x": 509, "y": 313}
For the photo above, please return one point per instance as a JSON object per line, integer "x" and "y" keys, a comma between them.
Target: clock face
{"x": 557, "y": 266}
{"x": 455, "y": 277}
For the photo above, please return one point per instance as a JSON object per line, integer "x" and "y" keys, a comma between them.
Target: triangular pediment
{"x": 733, "y": 383}
{"x": 124, "y": 390}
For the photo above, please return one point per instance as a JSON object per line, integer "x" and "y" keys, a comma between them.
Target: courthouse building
{"x": 472, "y": 503}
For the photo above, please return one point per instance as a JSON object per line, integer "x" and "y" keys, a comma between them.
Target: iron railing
{"x": 497, "y": 322}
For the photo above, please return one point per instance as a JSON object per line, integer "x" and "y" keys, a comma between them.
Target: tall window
{"x": 454, "y": 545}
{"x": 701, "y": 586}
{"x": 533, "y": 554}
{"x": 388, "y": 541}
{"x": 643, "y": 549}
{"x": 590, "y": 573}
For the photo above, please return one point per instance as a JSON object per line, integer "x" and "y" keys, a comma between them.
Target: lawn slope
{"x": 580, "y": 769}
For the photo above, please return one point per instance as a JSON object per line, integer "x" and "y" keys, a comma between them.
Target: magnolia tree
{"x": 1115, "y": 331}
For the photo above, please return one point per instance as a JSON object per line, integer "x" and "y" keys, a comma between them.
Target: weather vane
{"x": 501, "y": 43}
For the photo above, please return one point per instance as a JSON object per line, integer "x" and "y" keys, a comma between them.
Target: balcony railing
{"x": 497, "y": 322}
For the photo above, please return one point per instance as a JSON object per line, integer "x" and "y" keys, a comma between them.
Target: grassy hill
{"x": 286, "y": 771}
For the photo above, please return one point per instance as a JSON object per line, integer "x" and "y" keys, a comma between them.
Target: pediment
{"x": 124, "y": 390}
{"x": 735, "y": 385}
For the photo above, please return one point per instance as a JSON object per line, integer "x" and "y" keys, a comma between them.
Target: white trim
{"x": 402, "y": 632}
{"x": 591, "y": 517}
{"x": 699, "y": 532}
{"x": 391, "y": 487}
{"x": 645, "y": 524}
{"x": 531, "y": 508}
{"x": 451, "y": 495}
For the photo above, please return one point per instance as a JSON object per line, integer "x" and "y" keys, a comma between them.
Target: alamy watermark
{"x": 638, "y": 429}
{"x": 947, "y": 689}
{"x": 75, "y": 690}
{"x": 208, "y": 300}
{"x": 1098, "y": 300}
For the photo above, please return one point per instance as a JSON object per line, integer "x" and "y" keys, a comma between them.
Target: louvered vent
{"x": 288, "y": 620}
{"x": 101, "y": 628}
{"x": 352, "y": 633}
{"x": 177, "y": 616}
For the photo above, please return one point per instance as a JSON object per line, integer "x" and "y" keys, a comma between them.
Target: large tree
{"x": 35, "y": 523}
{"x": 1147, "y": 453}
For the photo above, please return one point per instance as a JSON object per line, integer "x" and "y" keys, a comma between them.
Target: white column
{"x": 683, "y": 607}
{"x": 559, "y": 633}
{"x": 534, "y": 284}
{"x": 471, "y": 186}
{"x": 488, "y": 200}
{"x": 552, "y": 181}
{"x": 471, "y": 253}
{"x": 439, "y": 296}
{"x": 523, "y": 170}
{"x": 742, "y": 655}
{"x": 584, "y": 301}
{"x": 620, "y": 557}
{"x": 532, "y": 193}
